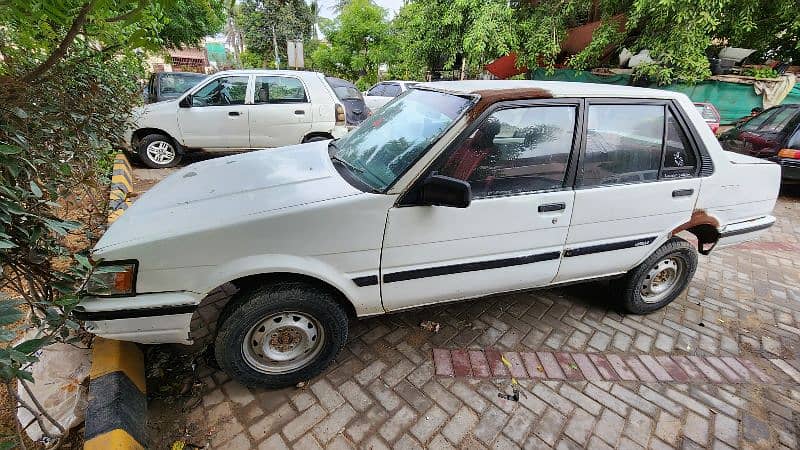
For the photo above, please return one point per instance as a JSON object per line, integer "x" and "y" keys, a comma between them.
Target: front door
{"x": 636, "y": 182}
{"x": 281, "y": 112}
{"x": 217, "y": 117}
{"x": 517, "y": 160}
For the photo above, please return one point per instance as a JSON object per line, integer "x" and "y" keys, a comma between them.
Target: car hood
{"x": 234, "y": 189}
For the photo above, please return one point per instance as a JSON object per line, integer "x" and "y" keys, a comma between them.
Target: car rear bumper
{"x": 790, "y": 169}
{"x": 160, "y": 318}
{"x": 735, "y": 233}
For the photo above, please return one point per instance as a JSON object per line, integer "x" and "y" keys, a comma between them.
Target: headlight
{"x": 112, "y": 278}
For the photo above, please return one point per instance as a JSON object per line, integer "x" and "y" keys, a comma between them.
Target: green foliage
{"x": 359, "y": 41}
{"x": 761, "y": 72}
{"x": 187, "y": 22}
{"x": 291, "y": 19}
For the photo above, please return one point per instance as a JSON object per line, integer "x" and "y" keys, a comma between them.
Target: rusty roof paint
{"x": 489, "y": 97}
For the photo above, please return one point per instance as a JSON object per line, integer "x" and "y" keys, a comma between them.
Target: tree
{"x": 359, "y": 41}
{"x": 233, "y": 35}
{"x": 289, "y": 19}
{"x": 463, "y": 34}
{"x": 189, "y": 21}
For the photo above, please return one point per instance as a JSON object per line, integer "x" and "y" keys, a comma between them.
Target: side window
{"x": 279, "y": 90}
{"x": 515, "y": 151}
{"x": 222, "y": 91}
{"x": 376, "y": 90}
{"x": 623, "y": 144}
{"x": 391, "y": 90}
{"x": 679, "y": 158}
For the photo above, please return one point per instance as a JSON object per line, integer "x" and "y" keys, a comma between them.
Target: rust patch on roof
{"x": 492, "y": 96}
{"x": 699, "y": 217}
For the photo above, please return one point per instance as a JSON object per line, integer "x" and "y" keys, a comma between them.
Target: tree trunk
{"x": 463, "y": 67}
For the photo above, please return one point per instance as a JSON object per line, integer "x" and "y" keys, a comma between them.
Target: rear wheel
{"x": 278, "y": 335}
{"x": 316, "y": 139}
{"x": 660, "y": 278}
{"x": 158, "y": 151}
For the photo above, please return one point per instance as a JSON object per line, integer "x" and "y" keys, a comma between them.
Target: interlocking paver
{"x": 711, "y": 370}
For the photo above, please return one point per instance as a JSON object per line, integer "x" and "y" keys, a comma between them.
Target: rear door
{"x": 517, "y": 161}
{"x": 281, "y": 112}
{"x": 217, "y": 116}
{"x": 637, "y": 180}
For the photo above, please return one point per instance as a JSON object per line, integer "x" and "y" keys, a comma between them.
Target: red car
{"x": 710, "y": 115}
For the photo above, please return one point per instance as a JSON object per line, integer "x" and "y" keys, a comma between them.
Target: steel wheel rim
{"x": 283, "y": 342}
{"x": 662, "y": 279}
{"x": 160, "y": 152}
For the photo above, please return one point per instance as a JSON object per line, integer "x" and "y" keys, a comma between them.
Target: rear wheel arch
{"x": 317, "y": 136}
{"x": 704, "y": 227}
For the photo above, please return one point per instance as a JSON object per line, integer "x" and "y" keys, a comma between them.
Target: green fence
{"x": 733, "y": 100}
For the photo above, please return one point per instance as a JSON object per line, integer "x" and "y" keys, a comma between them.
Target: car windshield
{"x": 384, "y": 146}
{"x": 175, "y": 84}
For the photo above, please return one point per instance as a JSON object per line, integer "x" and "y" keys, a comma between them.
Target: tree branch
{"x": 128, "y": 14}
{"x": 62, "y": 48}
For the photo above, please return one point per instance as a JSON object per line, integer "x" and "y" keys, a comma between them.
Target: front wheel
{"x": 278, "y": 335}
{"x": 158, "y": 151}
{"x": 660, "y": 278}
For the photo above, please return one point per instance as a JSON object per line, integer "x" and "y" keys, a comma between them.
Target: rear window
{"x": 708, "y": 114}
{"x": 347, "y": 93}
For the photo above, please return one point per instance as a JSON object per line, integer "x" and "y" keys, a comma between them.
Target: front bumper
{"x": 160, "y": 318}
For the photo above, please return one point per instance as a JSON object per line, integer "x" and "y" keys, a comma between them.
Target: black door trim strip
{"x": 468, "y": 267}
{"x": 369, "y": 280}
{"x": 133, "y": 313}
{"x": 611, "y": 246}
{"x": 753, "y": 229}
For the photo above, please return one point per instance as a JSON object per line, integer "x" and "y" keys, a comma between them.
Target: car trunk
{"x": 355, "y": 109}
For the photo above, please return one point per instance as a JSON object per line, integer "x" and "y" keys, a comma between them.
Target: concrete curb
{"x": 116, "y": 415}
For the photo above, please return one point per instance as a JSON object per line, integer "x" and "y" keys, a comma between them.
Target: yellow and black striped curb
{"x": 116, "y": 416}
{"x": 121, "y": 188}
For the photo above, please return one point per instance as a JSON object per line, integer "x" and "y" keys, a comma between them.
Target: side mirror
{"x": 445, "y": 191}
{"x": 186, "y": 102}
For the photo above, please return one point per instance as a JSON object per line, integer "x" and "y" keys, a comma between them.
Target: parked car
{"x": 773, "y": 134}
{"x": 384, "y": 91}
{"x": 355, "y": 109}
{"x": 170, "y": 85}
{"x": 710, "y": 114}
{"x": 453, "y": 191}
{"x": 238, "y": 110}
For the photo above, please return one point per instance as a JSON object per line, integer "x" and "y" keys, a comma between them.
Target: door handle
{"x": 550, "y": 207}
{"x": 299, "y": 112}
{"x": 682, "y": 192}
{"x": 234, "y": 113}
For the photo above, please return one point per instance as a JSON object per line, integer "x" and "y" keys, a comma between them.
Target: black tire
{"x": 158, "y": 139}
{"x": 315, "y": 139}
{"x": 250, "y": 308}
{"x": 634, "y": 285}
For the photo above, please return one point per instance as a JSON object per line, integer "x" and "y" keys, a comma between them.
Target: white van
{"x": 238, "y": 110}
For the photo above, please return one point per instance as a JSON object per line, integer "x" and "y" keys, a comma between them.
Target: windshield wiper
{"x": 336, "y": 158}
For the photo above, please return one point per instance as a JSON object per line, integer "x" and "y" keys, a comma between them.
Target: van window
{"x": 279, "y": 90}
{"x": 515, "y": 151}
{"x": 623, "y": 144}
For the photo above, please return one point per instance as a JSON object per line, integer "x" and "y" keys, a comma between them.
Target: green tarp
{"x": 733, "y": 100}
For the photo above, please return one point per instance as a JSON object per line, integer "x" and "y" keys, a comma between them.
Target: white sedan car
{"x": 384, "y": 91}
{"x": 238, "y": 110}
{"x": 454, "y": 191}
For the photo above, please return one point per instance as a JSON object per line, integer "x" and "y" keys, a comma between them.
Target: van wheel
{"x": 158, "y": 151}
{"x": 278, "y": 335}
{"x": 660, "y": 278}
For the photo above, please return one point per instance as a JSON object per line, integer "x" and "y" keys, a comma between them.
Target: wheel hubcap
{"x": 283, "y": 342}
{"x": 161, "y": 152}
{"x": 662, "y": 279}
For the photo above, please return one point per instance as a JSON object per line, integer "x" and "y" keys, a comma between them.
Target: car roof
{"x": 555, "y": 88}
{"x": 267, "y": 71}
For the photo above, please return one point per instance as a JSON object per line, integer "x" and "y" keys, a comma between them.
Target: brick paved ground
{"x": 386, "y": 391}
